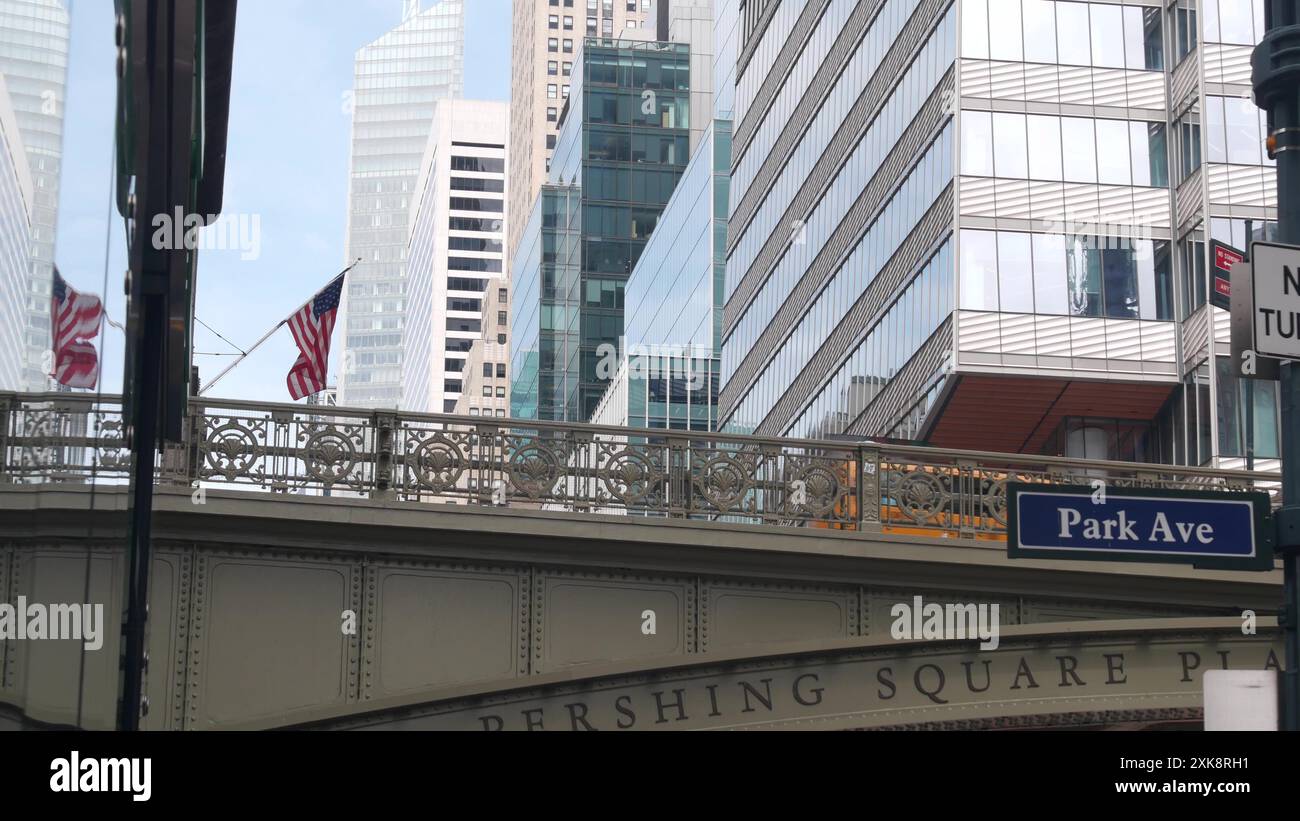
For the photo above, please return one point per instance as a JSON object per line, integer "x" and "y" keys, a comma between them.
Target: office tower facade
{"x": 623, "y": 146}
{"x": 456, "y": 255}
{"x": 487, "y": 370}
{"x": 668, "y": 368}
{"x": 668, "y": 373}
{"x": 545, "y": 39}
{"x": 399, "y": 78}
{"x": 34, "y": 37}
{"x": 1013, "y": 256}
{"x": 15, "y": 244}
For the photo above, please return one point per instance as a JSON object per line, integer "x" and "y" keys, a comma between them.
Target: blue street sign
{"x": 1225, "y": 531}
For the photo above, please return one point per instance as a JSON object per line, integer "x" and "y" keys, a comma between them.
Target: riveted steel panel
{"x": 439, "y": 624}
{"x": 750, "y": 615}
{"x": 303, "y": 659}
{"x": 601, "y": 618}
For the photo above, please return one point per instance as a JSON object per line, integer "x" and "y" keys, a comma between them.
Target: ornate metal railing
{"x": 390, "y": 456}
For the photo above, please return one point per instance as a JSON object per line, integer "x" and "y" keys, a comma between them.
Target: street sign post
{"x": 1206, "y": 529}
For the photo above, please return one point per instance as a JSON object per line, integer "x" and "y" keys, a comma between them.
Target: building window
{"x": 631, "y": 24}
{"x": 552, "y": 67}
{"x": 502, "y": 293}
{"x": 591, "y": 26}
{"x": 501, "y": 370}
{"x": 551, "y": 115}
{"x": 487, "y": 370}
{"x": 552, "y": 21}
{"x": 568, "y": 68}
{"x": 552, "y": 44}
{"x": 631, "y": 5}
{"x": 568, "y": 23}
{"x": 501, "y": 393}
{"x": 487, "y": 391}
{"x": 550, "y": 91}
{"x": 501, "y": 413}
{"x": 568, "y": 46}
{"x": 550, "y": 141}
{"x": 501, "y": 318}
{"x": 501, "y": 339}
{"x": 566, "y": 91}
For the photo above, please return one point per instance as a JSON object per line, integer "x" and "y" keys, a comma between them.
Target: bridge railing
{"x": 402, "y": 457}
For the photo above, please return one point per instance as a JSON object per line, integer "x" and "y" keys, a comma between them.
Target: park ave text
{"x": 1121, "y": 528}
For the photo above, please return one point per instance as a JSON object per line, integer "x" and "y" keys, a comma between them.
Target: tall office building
{"x": 487, "y": 378}
{"x": 992, "y": 235}
{"x": 15, "y": 244}
{"x": 544, "y": 41}
{"x": 668, "y": 368}
{"x": 668, "y": 372}
{"x": 458, "y": 227}
{"x": 34, "y": 37}
{"x": 623, "y": 146}
{"x": 399, "y": 78}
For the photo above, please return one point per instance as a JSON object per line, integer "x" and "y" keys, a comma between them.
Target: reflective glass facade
{"x": 674, "y": 304}
{"x": 1022, "y": 200}
{"x": 399, "y": 77}
{"x": 824, "y": 203}
{"x": 623, "y": 146}
{"x": 34, "y": 37}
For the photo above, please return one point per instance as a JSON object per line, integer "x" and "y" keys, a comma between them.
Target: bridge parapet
{"x": 388, "y": 455}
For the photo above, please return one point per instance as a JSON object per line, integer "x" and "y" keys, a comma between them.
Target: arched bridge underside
{"x": 272, "y": 610}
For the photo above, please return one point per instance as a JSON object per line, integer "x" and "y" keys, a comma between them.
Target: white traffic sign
{"x": 1275, "y": 291}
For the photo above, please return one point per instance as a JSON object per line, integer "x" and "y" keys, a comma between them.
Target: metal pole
{"x": 1276, "y": 69}
{"x": 1248, "y": 418}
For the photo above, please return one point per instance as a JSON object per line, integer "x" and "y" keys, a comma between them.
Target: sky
{"x": 286, "y": 173}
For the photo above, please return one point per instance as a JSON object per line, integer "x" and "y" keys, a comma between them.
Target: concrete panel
{"x": 267, "y": 639}
{"x": 737, "y": 616}
{"x": 441, "y": 628}
{"x": 601, "y": 620}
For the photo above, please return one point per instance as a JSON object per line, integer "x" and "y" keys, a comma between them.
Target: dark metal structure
{"x": 174, "y": 69}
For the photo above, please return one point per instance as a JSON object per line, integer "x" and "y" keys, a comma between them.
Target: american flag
{"x": 312, "y": 326}
{"x": 75, "y": 318}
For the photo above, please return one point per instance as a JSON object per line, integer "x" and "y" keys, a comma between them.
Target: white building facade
{"x": 34, "y": 37}
{"x": 399, "y": 79}
{"x": 456, "y": 254}
{"x": 15, "y": 244}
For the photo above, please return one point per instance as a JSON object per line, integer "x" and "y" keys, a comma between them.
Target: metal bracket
{"x": 1287, "y": 523}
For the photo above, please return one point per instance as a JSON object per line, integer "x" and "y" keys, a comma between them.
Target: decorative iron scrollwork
{"x": 438, "y": 462}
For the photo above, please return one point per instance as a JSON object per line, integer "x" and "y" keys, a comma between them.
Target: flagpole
{"x": 268, "y": 335}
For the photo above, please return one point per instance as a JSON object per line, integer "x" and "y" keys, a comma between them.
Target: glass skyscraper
{"x": 399, "y": 77}
{"x": 673, "y": 340}
{"x": 15, "y": 244}
{"x": 623, "y": 145}
{"x": 34, "y": 37}
{"x": 983, "y": 224}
